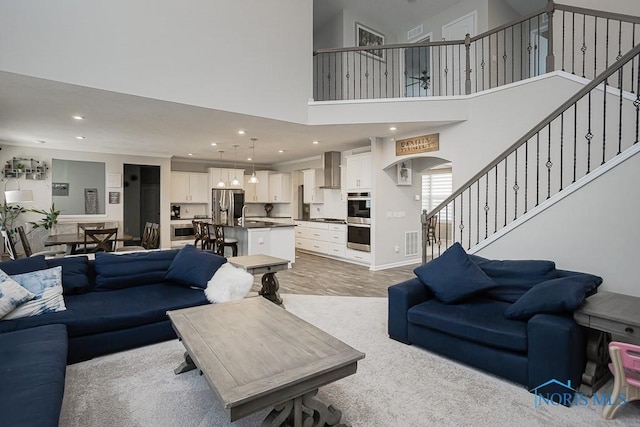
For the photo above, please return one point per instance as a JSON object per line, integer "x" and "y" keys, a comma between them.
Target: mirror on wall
{"x": 78, "y": 187}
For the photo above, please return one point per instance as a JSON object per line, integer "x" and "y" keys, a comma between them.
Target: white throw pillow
{"x": 228, "y": 284}
{"x": 47, "y": 286}
{"x": 12, "y": 295}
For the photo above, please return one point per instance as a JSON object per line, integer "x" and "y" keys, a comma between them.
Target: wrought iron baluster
{"x": 620, "y": 80}
{"x": 490, "y": 62}
{"x": 348, "y": 74}
{"x": 620, "y": 41}
{"x": 526, "y": 175}
{"x": 446, "y": 225}
{"x": 475, "y": 68}
{"x": 537, "y": 49}
{"x": 561, "y": 150}
{"x": 606, "y": 48}
{"x": 575, "y": 140}
{"x": 636, "y": 103}
{"x": 335, "y": 73}
{"x": 589, "y": 135}
{"x": 633, "y": 43}
{"x": 483, "y": 63}
{"x": 604, "y": 121}
{"x": 595, "y": 46}
{"x": 495, "y": 201}
{"x": 537, "y": 168}
{"x": 504, "y": 57}
{"x": 470, "y": 223}
{"x": 549, "y": 164}
{"x": 515, "y": 188}
{"x": 563, "y": 38}
{"x": 486, "y": 205}
{"x": 513, "y": 57}
{"x": 573, "y": 43}
{"x": 584, "y": 45}
{"x": 529, "y": 50}
{"x": 478, "y": 213}
{"x": 505, "y": 190}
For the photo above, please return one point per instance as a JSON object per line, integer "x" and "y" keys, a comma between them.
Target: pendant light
{"x": 221, "y": 183}
{"x": 253, "y": 179}
{"x": 235, "y": 182}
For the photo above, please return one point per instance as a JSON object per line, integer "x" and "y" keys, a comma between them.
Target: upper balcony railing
{"x": 586, "y": 42}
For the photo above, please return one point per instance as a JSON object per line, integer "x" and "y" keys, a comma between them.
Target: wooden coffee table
{"x": 256, "y": 355}
{"x": 267, "y": 266}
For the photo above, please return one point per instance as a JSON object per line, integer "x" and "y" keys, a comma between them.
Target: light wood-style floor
{"x": 315, "y": 275}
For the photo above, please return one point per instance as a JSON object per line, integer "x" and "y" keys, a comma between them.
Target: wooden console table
{"x": 266, "y": 265}
{"x": 606, "y": 314}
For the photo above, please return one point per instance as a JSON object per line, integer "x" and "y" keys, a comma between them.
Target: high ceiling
{"x": 34, "y": 109}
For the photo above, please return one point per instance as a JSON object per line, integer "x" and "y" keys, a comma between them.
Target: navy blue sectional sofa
{"x": 114, "y": 303}
{"x": 515, "y": 319}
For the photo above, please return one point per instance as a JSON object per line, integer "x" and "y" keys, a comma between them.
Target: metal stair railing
{"x": 586, "y": 40}
{"x": 592, "y": 127}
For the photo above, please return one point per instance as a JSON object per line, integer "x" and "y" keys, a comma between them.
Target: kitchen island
{"x": 266, "y": 238}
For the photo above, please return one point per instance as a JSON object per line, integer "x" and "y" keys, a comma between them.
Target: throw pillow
{"x": 75, "y": 273}
{"x": 124, "y": 270}
{"x": 193, "y": 267}
{"x": 24, "y": 265}
{"x": 12, "y": 294}
{"x": 453, "y": 276}
{"x": 229, "y": 283}
{"x": 553, "y": 296}
{"x": 47, "y": 287}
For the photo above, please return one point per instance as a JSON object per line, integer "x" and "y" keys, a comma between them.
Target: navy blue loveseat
{"x": 114, "y": 303}
{"x": 515, "y": 321}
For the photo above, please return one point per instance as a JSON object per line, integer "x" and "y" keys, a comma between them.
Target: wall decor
{"x": 60, "y": 189}
{"x": 365, "y": 36}
{"x": 114, "y": 197}
{"x": 114, "y": 180}
{"x": 418, "y": 144}
{"x": 90, "y": 201}
{"x": 404, "y": 173}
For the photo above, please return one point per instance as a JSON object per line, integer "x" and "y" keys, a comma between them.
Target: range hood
{"x": 331, "y": 166}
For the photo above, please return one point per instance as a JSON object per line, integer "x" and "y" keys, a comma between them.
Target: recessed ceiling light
{"x": 79, "y": 137}
{"x": 240, "y": 132}
{"x": 189, "y": 154}
{"x": 392, "y": 128}
{"x": 78, "y": 117}
{"x": 213, "y": 144}
{"x": 248, "y": 159}
{"x": 280, "y": 151}
{"x": 39, "y": 142}
{"x": 316, "y": 142}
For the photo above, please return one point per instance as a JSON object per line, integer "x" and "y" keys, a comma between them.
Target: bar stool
{"x": 222, "y": 242}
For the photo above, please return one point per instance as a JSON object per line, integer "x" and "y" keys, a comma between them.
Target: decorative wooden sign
{"x": 418, "y": 144}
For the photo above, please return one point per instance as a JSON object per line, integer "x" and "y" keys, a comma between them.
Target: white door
{"x": 453, "y": 58}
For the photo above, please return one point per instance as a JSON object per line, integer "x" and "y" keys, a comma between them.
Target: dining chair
{"x": 431, "y": 229}
{"x": 82, "y": 226}
{"x": 150, "y": 239}
{"x": 625, "y": 367}
{"x": 100, "y": 240}
{"x": 10, "y": 245}
{"x": 197, "y": 232}
{"x": 222, "y": 242}
{"x": 26, "y": 246}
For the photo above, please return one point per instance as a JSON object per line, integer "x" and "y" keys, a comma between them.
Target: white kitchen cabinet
{"x": 226, "y": 175}
{"x": 322, "y": 238}
{"x": 313, "y": 180}
{"x": 280, "y": 188}
{"x": 187, "y": 187}
{"x": 359, "y": 172}
{"x": 258, "y": 192}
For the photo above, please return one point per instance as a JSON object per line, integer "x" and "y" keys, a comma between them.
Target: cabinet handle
{"x": 628, "y": 330}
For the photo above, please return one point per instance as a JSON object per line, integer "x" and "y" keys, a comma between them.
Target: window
{"x": 437, "y": 185}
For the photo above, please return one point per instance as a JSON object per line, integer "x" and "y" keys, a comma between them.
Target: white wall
{"x": 593, "y": 230}
{"x": 197, "y": 52}
{"x": 500, "y": 13}
{"x": 114, "y": 164}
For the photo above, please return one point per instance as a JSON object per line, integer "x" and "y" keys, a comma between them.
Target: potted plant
{"x": 50, "y": 218}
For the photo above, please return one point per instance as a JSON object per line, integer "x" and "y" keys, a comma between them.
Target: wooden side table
{"x": 266, "y": 265}
{"x": 606, "y": 314}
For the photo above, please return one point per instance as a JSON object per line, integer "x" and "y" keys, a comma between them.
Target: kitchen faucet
{"x": 244, "y": 209}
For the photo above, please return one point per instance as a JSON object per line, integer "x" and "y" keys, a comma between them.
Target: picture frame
{"x": 366, "y": 36}
{"x": 404, "y": 173}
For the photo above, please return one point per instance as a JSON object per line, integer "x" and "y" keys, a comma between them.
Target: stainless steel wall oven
{"x": 359, "y": 221}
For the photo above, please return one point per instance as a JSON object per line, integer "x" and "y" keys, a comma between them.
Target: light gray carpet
{"x": 396, "y": 384}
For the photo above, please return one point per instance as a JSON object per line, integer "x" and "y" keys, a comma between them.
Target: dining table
{"x": 72, "y": 240}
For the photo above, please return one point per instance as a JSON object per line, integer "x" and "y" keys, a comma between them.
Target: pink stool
{"x": 625, "y": 368}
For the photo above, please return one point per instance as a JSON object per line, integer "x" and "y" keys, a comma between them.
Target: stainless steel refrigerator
{"x": 226, "y": 205}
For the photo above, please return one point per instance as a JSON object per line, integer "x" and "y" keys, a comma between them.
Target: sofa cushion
{"x": 514, "y": 277}
{"x": 97, "y": 312}
{"x": 553, "y": 296}
{"x": 193, "y": 267}
{"x": 11, "y": 294}
{"x": 453, "y": 276}
{"x": 47, "y": 287}
{"x": 32, "y": 368}
{"x": 481, "y": 321}
{"x": 24, "y": 265}
{"x": 75, "y": 273}
{"x": 117, "y": 271}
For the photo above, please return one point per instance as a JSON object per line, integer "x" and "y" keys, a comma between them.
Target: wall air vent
{"x": 414, "y": 32}
{"x": 411, "y": 243}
